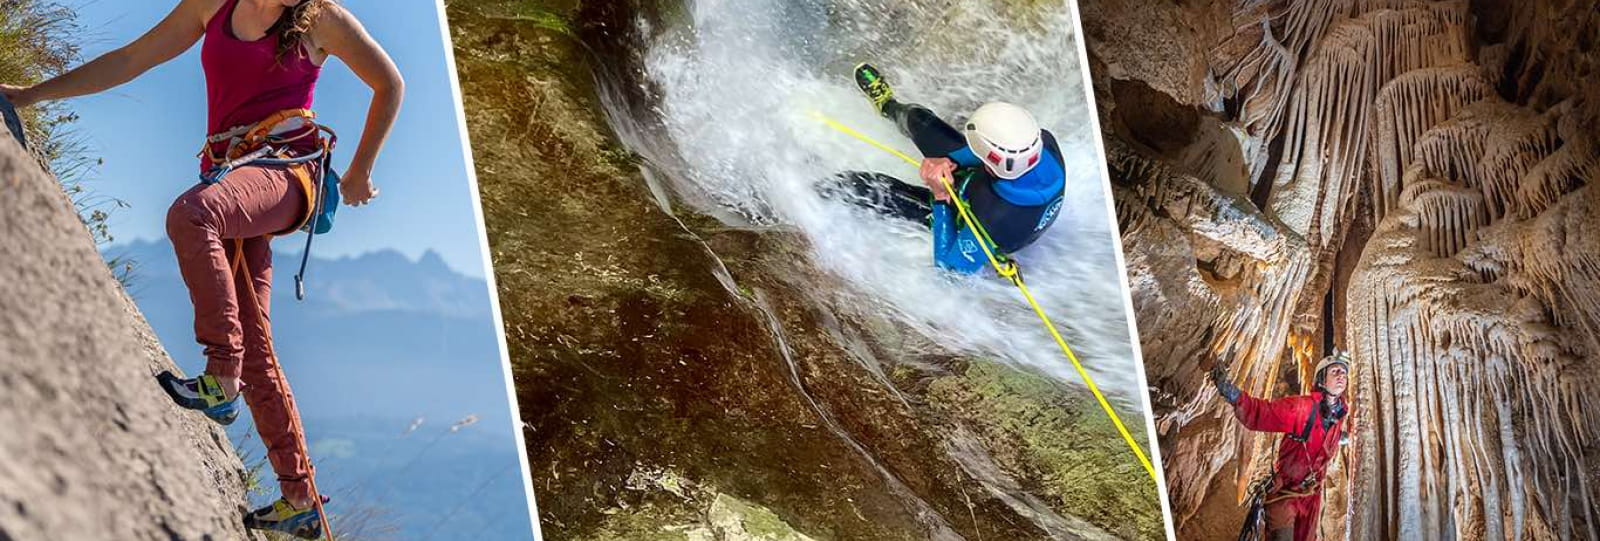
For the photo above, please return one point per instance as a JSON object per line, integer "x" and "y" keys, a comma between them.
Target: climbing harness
{"x": 1255, "y": 516}
{"x": 1007, "y": 268}
{"x": 1304, "y": 435}
{"x": 271, "y": 142}
{"x": 241, "y": 270}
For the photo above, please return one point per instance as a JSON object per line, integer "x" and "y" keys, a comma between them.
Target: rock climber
{"x": 1006, "y": 169}
{"x": 261, "y": 60}
{"x": 1312, "y": 425}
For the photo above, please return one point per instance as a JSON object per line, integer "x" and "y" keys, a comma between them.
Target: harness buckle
{"x": 215, "y": 175}
{"x": 1307, "y": 483}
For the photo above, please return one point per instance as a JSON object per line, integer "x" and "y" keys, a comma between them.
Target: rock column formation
{"x": 1407, "y": 180}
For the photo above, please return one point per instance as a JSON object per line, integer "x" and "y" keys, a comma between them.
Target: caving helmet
{"x": 1338, "y": 357}
{"x": 1005, "y": 138}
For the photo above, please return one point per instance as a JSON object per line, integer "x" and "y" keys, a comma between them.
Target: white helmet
{"x": 1005, "y": 138}
{"x": 1338, "y": 357}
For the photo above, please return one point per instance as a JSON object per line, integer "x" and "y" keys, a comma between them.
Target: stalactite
{"x": 1447, "y": 214}
{"x": 1330, "y": 128}
{"x": 1245, "y": 320}
{"x": 1480, "y": 204}
{"x": 1408, "y": 106}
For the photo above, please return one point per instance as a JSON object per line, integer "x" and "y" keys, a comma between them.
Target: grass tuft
{"x": 37, "y": 42}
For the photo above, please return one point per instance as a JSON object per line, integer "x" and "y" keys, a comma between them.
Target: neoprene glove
{"x": 1226, "y": 388}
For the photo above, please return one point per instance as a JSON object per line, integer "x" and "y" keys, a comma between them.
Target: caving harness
{"x": 272, "y": 142}
{"x": 1008, "y": 269}
{"x": 1255, "y": 518}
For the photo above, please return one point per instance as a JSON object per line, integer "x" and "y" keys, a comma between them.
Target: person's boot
{"x": 202, "y": 393}
{"x": 280, "y": 516}
{"x": 871, "y": 83}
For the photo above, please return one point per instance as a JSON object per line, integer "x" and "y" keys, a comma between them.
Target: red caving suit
{"x": 1298, "y": 462}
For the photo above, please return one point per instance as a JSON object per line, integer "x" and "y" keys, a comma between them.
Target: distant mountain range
{"x": 380, "y": 341}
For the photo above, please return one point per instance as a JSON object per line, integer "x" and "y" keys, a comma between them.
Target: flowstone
{"x": 1416, "y": 192}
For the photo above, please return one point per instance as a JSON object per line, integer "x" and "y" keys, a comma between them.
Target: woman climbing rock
{"x": 264, "y": 167}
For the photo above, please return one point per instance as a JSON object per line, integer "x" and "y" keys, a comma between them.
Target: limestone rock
{"x": 1415, "y": 189}
{"x": 92, "y": 447}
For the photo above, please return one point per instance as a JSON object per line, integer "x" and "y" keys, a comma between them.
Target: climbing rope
{"x": 1009, "y": 270}
{"x": 242, "y": 271}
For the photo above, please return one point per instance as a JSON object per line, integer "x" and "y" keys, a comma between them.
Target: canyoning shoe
{"x": 202, "y": 393}
{"x": 279, "y": 516}
{"x": 871, "y": 83}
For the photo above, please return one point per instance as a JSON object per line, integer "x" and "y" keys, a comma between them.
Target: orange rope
{"x": 294, "y": 411}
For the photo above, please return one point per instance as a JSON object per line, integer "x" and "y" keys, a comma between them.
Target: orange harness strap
{"x": 1289, "y": 493}
{"x": 302, "y": 172}
{"x": 243, "y": 140}
{"x": 241, "y": 270}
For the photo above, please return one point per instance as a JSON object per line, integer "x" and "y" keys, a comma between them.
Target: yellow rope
{"x": 1009, "y": 270}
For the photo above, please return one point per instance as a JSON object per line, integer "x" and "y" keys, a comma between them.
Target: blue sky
{"x": 444, "y": 366}
{"x": 148, "y": 130}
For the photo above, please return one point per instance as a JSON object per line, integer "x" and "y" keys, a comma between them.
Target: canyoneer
{"x": 1312, "y": 426}
{"x": 264, "y": 173}
{"x": 1006, "y": 169}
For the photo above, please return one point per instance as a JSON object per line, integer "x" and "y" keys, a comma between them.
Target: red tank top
{"x": 245, "y": 80}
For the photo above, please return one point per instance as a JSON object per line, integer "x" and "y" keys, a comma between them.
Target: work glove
{"x": 1226, "y": 388}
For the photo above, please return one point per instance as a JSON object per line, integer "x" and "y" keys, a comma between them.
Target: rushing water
{"x": 736, "y": 84}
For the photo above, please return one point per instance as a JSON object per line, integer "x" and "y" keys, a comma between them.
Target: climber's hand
{"x": 19, "y": 96}
{"x": 1225, "y": 387}
{"x": 357, "y": 189}
{"x": 935, "y": 172}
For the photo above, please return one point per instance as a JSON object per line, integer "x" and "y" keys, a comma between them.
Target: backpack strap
{"x": 1305, "y": 433}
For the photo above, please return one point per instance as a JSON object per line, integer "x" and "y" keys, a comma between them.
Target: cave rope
{"x": 1008, "y": 269}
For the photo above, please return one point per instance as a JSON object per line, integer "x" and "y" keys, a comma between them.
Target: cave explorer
{"x": 1009, "y": 172}
{"x": 1312, "y": 425}
{"x": 264, "y": 173}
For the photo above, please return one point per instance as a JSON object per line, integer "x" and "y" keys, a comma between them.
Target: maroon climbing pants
{"x": 207, "y": 225}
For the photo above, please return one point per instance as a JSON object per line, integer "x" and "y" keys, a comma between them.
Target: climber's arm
{"x": 1281, "y": 415}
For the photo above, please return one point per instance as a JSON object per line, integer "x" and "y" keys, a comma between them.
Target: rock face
{"x": 92, "y": 449}
{"x": 1405, "y": 180}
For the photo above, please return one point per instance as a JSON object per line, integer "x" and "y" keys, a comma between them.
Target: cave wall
{"x": 1404, "y": 179}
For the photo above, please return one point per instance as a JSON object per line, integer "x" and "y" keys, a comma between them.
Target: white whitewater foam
{"x": 739, "y": 81}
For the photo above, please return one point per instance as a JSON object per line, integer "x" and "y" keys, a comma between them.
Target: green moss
{"x": 1063, "y": 439}
{"x": 538, "y": 17}
{"x": 639, "y": 525}
{"x": 735, "y": 519}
